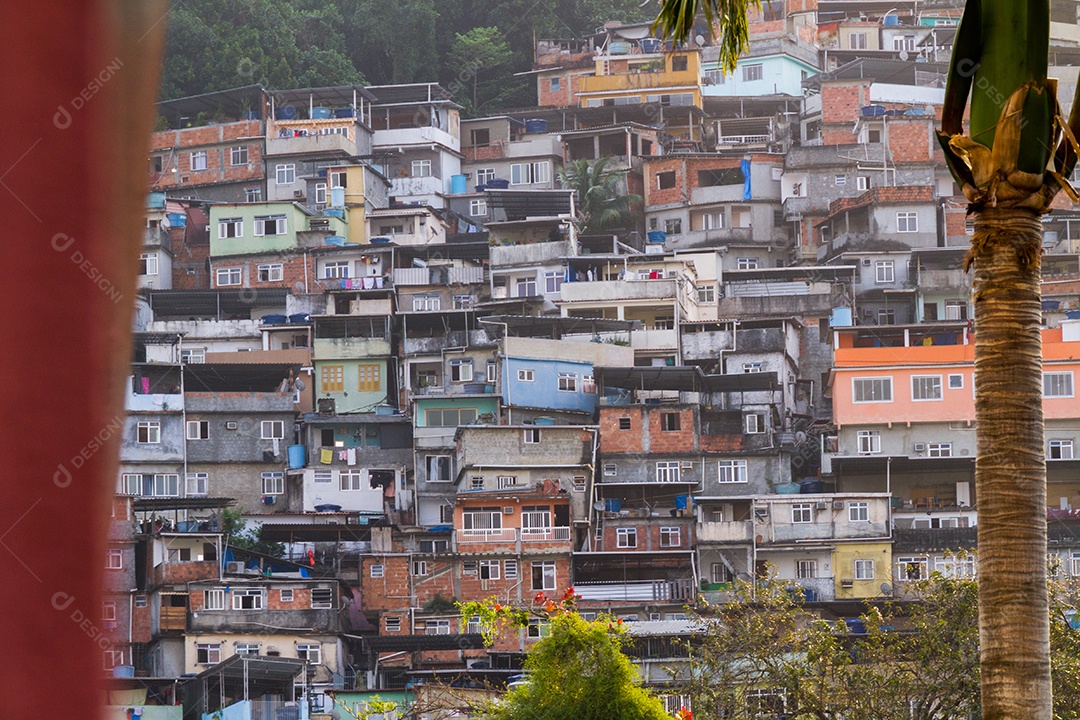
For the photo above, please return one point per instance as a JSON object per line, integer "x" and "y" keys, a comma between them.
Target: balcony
{"x": 736, "y": 532}
{"x": 330, "y": 144}
{"x": 716, "y": 194}
{"x": 699, "y": 238}
{"x": 541, "y": 253}
{"x": 411, "y": 186}
{"x": 487, "y": 535}
{"x": 414, "y": 346}
{"x": 415, "y": 136}
{"x": 357, "y": 347}
{"x": 653, "y": 339}
{"x": 611, "y": 291}
{"x": 820, "y": 589}
{"x": 206, "y": 329}
{"x": 554, "y": 534}
{"x": 240, "y": 402}
{"x": 438, "y": 276}
{"x": 153, "y": 403}
{"x": 953, "y": 279}
{"x": 933, "y": 539}
{"x": 629, "y": 81}
{"x": 681, "y": 590}
{"x": 786, "y": 305}
{"x": 216, "y": 621}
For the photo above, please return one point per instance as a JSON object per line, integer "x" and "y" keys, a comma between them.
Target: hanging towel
{"x": 350, "y": 456}
{"x": 326, "y": 456}
{"x": 341, "y": 455}
{"x": 145, "y": 386}
{"x": 276, "y": 442}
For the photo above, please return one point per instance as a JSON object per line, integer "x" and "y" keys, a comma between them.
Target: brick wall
{"x": 671, "y": 441}
{"x": 614, "y": 440}
{"x": 911, "y": 139}
{"x": 176, "y": 147}
{"x": 841, "y": 103}
{"x": 656, "y": 196}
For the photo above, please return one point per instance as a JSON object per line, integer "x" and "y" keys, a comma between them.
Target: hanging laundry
{"x": 350, "y": 456}
{"x": 276, "y": 443}
{"x": 326, "y": 456}
{"x": 341, "y": 455}
{"x": 145, "y": 386}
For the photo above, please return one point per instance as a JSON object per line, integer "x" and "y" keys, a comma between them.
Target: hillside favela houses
{"x": 381, "y": 365}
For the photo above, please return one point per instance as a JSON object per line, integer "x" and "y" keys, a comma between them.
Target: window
{"x": 420, "y": 168}
{"x": 907, "y": 222}
{"x": 530, "y": 173}
{"x": 715, "y": 77}
{"x": 198, "y": 160}
{"x": 956, "y": 309}
{"x": 752, "y": 72}
{"x": 461, "y": 371}
{"x": 840, "y": 180}
{"x": 339, "y": 179}
{"x": 1057, "y": 384}
{"x": 939, "y": 449}
{"x": 733, "y": 471}
{"x": 270, "y": 225}
{"x": 864, "y": 569}
{"x": 862, "y": 182}
{"x": 229, "y": 276}
{"x": 553, "y": 281}
{"x": 369, "y": 378}
{"x": 510, "y": 569}
{"x": 527, "y": 375}
{"x": 624, "y": 423}
{"x": 350, "y": 480}
{"x": 323, "y": 476}
{"x": 956, "y": 381}
{"x": 903, "y": 43}
{"x": 912, "y": 568}
{"x": 285, "y": 174}
{"x": 868, "y": 390}
{"x": 857, "y": 41}
{"x": 198, "y": 430}
{"x": 376, "y": 571}
{"x": 208, "y": 653}
{"x": 140, "y": 601}
{"x": 568, "y": 382}
{"x": 1060, "y": 450}
{"x": 484, "y": 175}
{"x": 426, "y": 303}
{"x": 449, "y": 417}
{"x": 679, "y": 63}
{"x": 286, "y": 595}
{"x": 531, "y": 436}
{"x": 156, "y": 163}
{"x": 886, "y": 316}
{"x": 670, "y": 422}
{"x": 247, "y": 599}
{"x": 665, "y": 180}
{"x": 246, "y": 648}
{"x": 754, "y": 367}
{"x": 332, "y": 378}
{"x": 253, "y": 194}
{"x": 538, "y": 628}
{"x": 802, "y": 513}
{"x": 869, "y": 442}
{"x": 393, "y": 624}
{"x": 746, "y": 263}
{"x": 670, "y": 537}
{"x": 482, "y": 521}
{"x": 149, "y": 432}
{"x": 626, "y": 537}
{"x": 754, "y": 423}
{"x": 713, "y": 220}
{"x": 273, "y": 483}
{"x": 706, "y": 293}
{"x": 148, "y": 264}
{"x": 554, "y": 84}
{"x": 272, "y": 429}
{"x": 320, "y": 193}
{"x": 858, "y": 511}
{"x": 114, "y": 560}
{"x": 167, "y": 485}
{"x": 526, "y": 286}
{"x": 478, "y": 207}
{"x": 238, "y": 155}
{"x": 438, "y": 468}
{"x": 884, "y": 271}
{"x": 926, "y": 387}
{"x": 419, "y": 568}
{"x": 489, "y": 569}
{"x": 214, "y": 599}
{"x": 310, "y": 652}
{"x": 673, "y": 226}
{"x": 480, "y": 137}
{"x": 507, "y": 481}
{"x": 667, "y": 471}
{"x": 271, "y": 272}
{"x": 543, "y": 575}
{"x": 197, "y": 485}
{"x": 805, "y": 569}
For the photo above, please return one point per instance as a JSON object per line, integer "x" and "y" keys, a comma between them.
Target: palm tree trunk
{"x": 1010, "y": 469}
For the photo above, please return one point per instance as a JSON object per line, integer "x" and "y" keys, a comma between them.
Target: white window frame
{"x": 869, "y": 442}
{"x": 350, "y": 480}
{"x": 670, "y": 536}
{"x": 238, "y": 155}
{"x": 839, "y": 180}
{"x": 148, "y": 263}
{"x": 420, "y": 168}
{"x": 802, "y": 513}
{"x": 668, "y": 471}
{"x": 393, "y": 624}
{"x": 568, "y": 382}
{"x": 114, "y": 559}
{"x": 956, "y": 381}
{"x": 746, "y": 263}
{"x": 284, "y": 174}
{"x": 626, "y": 537}
{"x": 484, "y": 175}
{"x": 864, "y": 569}
{"x": 197, "y": 484}
{"x": 312, "y": 652}
{"x": 211, "y": 652}
{"x": 884, "y": 271}
{"x": 753, "y": 72}
{"x": 478, "y": 207}
{"x": 858, "y": 511}
{"x": 461, "y": 371}
{"x": 806, "y": 569}
{"x": 376, "y": 570}
{"x": 1059, "y": 383}
{"x": 199, "y": 160}
{"x": 553, "y": 280}
{"x": 530, "y": 173}
{"x": 214, "y": 599}
{"x": 907, "y": 222}
{"x": 229, "y": 276}
{"x": 863, "y": 182}
{"x": 489, "y": 569}
{"x": 247, "y": 599}
{"x": 272, "y": 429}
{"x": 198, "y": 430}
{"x": 526, "y": 375}
{"x": 419, "y": 568}
{"x": 939, "y": 449}
{"x": 246, "y": 648}
{"x": 880, "y": 389}
{"x": 754, "y": 423}
{"x": 510, "y": 569}
{"x": 857, "y": 41}
{"x": 426, "y": 303}
{"x": 285, "y": 595}
{"x": 270, "y": 225}
{"x": 525, "y": 286}
{"x": 1058, "y": 449}
{"x": 732, "y": 471}
{"x": 548, "y": 573}
{"x": 271, "y": 272}
{"x": 531, "y": 436}
{"x": 438, "y": 462}
{"x": 923, "y": 388}
{"x": 320, "y": 193}
{"x": 273, "y": 483}
{"x": 152, "y": 432}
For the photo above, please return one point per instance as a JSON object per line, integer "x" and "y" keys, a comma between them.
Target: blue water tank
{"x": 458, "y": 184}
{"x": 855, "y": 626}
{"x": 890, "y": 21}
{"x": 613, "y": 504}
{"x": 337, "y": 197}
{"x": 651, "y": 45}
{"x": 339, "y": 213}
{"x": 537, "y": 125}
{"x": 345, "y": 112}
{"x": 123, "y": 671}
{"x": 498, "y": 184}
{"x": 380, "y": 241}
{"x": 840, "y": 317}
{"x": 177, "y": 220}
{"x": 680, "y": 502}
{"x": 285, "y": 112}
{"x": 275, "y": 319}
{"x": 619, "y": 47}
{"x": 336, "y": 240}
{"x": 812, "y": 487}
{"x": 320, "y": 113}
{"x": 155, "y": 200}
{"x": 657, "y": 236}
{"x": 300, "y": 318}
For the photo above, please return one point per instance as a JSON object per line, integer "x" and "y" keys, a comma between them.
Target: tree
{"x": 577, "y": 671}
{"x": 239, "y": 534}
{"x": 599, "y": 204}
{"x": 481, "y": 51}
{"x": 676, "y": 20}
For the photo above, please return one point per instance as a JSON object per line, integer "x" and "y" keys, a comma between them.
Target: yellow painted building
{"x": 861, "y": 569}
{"x": 669, "y": 78}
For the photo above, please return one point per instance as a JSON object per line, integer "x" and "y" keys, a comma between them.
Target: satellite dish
{"x": 886, "y": 589}
{"x": 903, "y": 55}
{"x": 800, "y": 437}
{"x": 700, "y": 40}
{"x": 299, "y": 384}
{"x": 598, "y": 505}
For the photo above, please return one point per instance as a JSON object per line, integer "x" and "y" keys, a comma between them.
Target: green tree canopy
{"x": 479, "y": 56}
{"x": 600, "y": 203}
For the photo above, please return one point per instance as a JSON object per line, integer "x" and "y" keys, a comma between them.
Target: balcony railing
{"x": 738, "y": 531}
{"x": 553, "y": 534}
{"x": 487, "y": 535}
{"x": 644, "y": 591}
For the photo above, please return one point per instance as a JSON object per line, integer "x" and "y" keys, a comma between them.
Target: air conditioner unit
{"x": 234, "y": 566}
{"x": 231, "y": 425}
{"x": 919, "y": 447}
{"x": 761, "y": 510}
{"x": 508, "y": 511}
{"x": 654, "y": 616}
{"x": 867, "y": 262}
{"x": 298, "y": 193}
{"x": 837, "y": 504}
{"x": 688, "y": 465}
{"x": 822, "y": 505}
{"x": 269, "y": 499}
{"x": 847, "y": 582}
